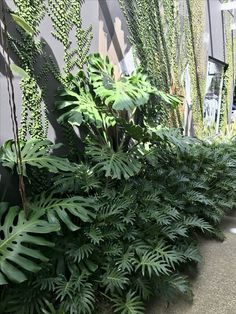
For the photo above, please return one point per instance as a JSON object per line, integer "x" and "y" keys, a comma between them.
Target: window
{"x": 212, "y": 102}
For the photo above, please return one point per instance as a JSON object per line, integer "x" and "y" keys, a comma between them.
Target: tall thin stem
{"x": 12, "y": 105}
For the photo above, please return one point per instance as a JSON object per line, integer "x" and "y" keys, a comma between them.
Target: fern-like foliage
{"x": 130, "y": 304}
{"x": 82, "y": 179}
{"x": 59, "y": 209}
{"x": 172, "y": 286}
{"x": 150, "y": 263}
{"x": 114, "y": 279}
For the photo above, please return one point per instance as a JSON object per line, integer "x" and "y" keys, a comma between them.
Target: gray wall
{"x": 54, "y": 48}
{"x": 215, "y": 29}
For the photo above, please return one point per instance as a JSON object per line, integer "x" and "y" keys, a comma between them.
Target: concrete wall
{"x": 215, "y": 28}
{"x": 113, "y": 36}
{"x": 52, "y": 48}
{"x": 55, "y": 49}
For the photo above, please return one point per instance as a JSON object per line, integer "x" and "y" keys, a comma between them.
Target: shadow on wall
{"x": 113, "y": 32}
{"x": 8, "y": 183}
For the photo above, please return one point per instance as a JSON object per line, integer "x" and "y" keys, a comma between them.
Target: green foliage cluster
{"x": 167, "y": 35}
{"x": 228, "y": 86}
{"x": 122, "y": 224}
{"x": 28, "y": 49}
{"x": 66, "y": 17}
{"x": 153, "y": 33}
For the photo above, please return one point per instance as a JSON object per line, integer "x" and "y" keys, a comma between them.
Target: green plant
{"x": 28, "y": 49}
{"x": 166, "y": 36}
{"x": 16, "y": 233}
{"x": 34, "y": 153}
{"x": 228, "y": 86}
{"x": 66, "y": 15}
{"x": 125, "y": 220}
{"x": 34, "y": 84}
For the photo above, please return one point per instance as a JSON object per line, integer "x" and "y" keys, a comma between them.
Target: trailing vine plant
{"x": 195, "y": 56}
{"x": 28, "y": 16}
{"x": 66, "y": 17}
{"x": 228, "y": 86}
{"x": 146, "y": 27}
{"x": 155, "y": 32}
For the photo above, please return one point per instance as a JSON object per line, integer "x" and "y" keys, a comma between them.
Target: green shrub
{"x": 125, "y": 219}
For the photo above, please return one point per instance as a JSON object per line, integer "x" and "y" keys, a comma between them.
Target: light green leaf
{"x": 18, "y": 71}
{"x": 125, "y": 93}
{"x": 128, "y": 304}
{"x": 150, "y": 263}
{"x": 23, "y": 24}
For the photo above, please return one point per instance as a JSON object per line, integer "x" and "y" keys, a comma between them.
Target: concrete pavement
{"x": 215, "y": 286}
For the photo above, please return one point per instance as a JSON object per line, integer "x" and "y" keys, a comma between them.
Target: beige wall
{"x": 113, "y": 35}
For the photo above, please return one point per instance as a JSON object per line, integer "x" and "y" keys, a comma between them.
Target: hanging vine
{"x": 148, "y": 39}
{"x": 28, "y": 49}
{"x": 228, "y": 85}
{"x": 194, "y": 30}
{"x": 170, "y": 25}
{"x": 66, "y": 17}
{"x": 155, "y": 34}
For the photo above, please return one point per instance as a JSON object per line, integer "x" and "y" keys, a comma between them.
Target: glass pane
{"x": 213, "y": 95}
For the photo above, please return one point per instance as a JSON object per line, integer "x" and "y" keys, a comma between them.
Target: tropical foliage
{"x": 121, "y": 223}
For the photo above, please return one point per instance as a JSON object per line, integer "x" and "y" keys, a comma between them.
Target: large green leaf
{"x": 115, "y": 164}
{"x": 169, "y": 99}
{"x": 62, "y": 209}
{"x": 82, "y": 109}
{"x": 17, "y": 236}
{"x": 164, "y": 251}
{"x": 125, "y": 93}
{"x": 34, "y": 153}
{"x": 114, "y": 279}
{"x": 150, "y": 263}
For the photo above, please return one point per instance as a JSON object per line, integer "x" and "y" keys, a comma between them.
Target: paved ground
{"x": 215, "y": 286}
